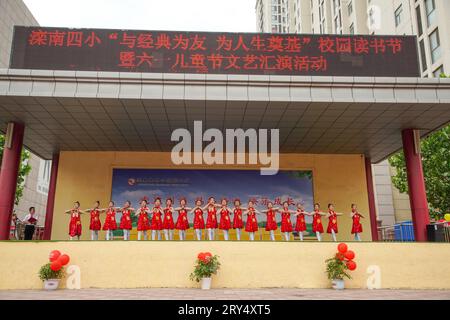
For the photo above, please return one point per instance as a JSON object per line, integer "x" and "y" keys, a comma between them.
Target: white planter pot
{"x": 51, "y": 284}
{"x": 338, "y": 284}
{"x": 206, "y": 283}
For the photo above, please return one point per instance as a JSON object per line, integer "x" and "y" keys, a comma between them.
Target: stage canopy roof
{"x": 111, "y": 111}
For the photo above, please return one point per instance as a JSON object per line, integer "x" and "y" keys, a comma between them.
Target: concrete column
{"x": 51, "y": 198}
{"x": 371, "y": 195}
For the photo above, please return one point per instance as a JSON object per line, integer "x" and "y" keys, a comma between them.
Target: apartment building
{"x": 427, "y": 19}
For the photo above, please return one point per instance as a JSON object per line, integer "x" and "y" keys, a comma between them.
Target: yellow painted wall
{"x": 119, "y": 264}
{"x": 87, "y": 177}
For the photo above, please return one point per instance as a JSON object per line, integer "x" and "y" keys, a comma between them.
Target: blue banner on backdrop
{"x": 137, "y": 184}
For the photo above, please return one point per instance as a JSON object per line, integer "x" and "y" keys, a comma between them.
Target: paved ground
{"x": 224, "y": 294}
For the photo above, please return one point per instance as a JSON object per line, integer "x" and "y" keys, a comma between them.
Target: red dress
{"x": 317, "y": 225}
{"x": 300, "y": 226}
{"x": 252, "y": 223}
{"x": 225, "y": 222}
{"x": 95, "y": 220}
{"x": 211, "y": 221}
{"x": 271, "y": 223}
{"x": 238, "y": 223}
{"x": 286, "y": 224}
{"x": 182, "y": 221}
{"x": 143, "y": 220}
{"x": 110, "y": 220}
{"x": 168, "y": 220}
{"x": 156, "y": 219}
{"x": 199, "y": 222}
{"x": 75, "y": 223}
{"x": 357, "y": 226}
{"x": 125, "y": 221}
{"x": 332, "y": 222}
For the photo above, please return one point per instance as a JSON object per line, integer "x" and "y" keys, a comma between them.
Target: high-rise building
{"x": 427, "y": 19}
{"x": 15, "y": 12}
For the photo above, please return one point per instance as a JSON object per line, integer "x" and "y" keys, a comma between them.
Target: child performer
{"x": 332, "y": 221}
{"x": 357, "y": 226}
{"x": 143, "y": 220}
{"x": 271, "y": 224}
{"x": 157, "y": 225}
{"x": 75, "y": 221}
{"x": 225, "y": 222}
{"x": 199, "y": 222}
{"x": 238, "y": 223}
{"x": 125, "y": 221}
{"x": 95, "y": 224}
{"x": 252, "y": 224}
{"x": 110, "y": 221}
{"x": 168, "y": 224}
{"x": 211, "y": 220}
{"x": 286, "y": 224}
{"x": 317, "y": 225}
{"x": 300, "y": 226}
{"x": 182, "y": 222}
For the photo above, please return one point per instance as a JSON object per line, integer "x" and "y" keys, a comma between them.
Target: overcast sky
{"x": 183, "y": 15}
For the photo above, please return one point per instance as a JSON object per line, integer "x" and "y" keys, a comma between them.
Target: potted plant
{"x": 339, "y": 265}
{"x": 50, "y": 277}
{"x": 205, "y": 267}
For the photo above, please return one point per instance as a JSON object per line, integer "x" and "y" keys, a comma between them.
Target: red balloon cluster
{"x": 346, "y": 255}
{"x": 58, "y": 260}
{"x": 204, "y": 256}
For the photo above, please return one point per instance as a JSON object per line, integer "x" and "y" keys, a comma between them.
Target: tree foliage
{"x": 24, "y": 169}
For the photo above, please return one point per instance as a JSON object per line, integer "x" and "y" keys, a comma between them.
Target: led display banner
{"x": 213, "y": 52}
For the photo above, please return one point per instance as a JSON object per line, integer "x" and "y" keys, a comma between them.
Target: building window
{"x": 438, "y": 72}
{"x": 398, "y": 15}
{"x": 419, "y": 21}
{"x": 435, "y": 45}
{"x": 423, "y": 56}
{"x": 430, "y": 9}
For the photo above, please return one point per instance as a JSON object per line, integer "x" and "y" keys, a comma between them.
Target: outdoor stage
{"x": 119, "y": 264}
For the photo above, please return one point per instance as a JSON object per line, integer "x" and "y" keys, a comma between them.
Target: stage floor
{"x": 224, "y": 294}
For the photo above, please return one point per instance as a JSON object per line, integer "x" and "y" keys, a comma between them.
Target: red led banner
{"x": 213, "y": 52}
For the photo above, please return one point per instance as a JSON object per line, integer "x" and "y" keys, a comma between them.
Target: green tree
{"x": 436, "y": 169}
{"x": 24, "y": 169}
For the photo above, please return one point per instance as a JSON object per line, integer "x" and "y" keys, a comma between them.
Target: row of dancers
{"x": 158, "y": 219}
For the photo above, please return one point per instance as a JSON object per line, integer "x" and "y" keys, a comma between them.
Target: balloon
{"x": 54, "y": 255}
{"x": 351, "y": 265}
{"x": 342, "y": 248}
{"x": 55, "y": 265}
{"x": 201, "y": 256}
{"x": 340, "y": 256}
{"x": 64, "y": 259}
{"x": 349, "y": 255}
{"x": 447, "y": 217}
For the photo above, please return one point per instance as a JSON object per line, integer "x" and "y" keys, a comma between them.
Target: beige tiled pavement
{"x": 224, "y": 294}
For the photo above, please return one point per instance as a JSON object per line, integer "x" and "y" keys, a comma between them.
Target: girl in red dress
{"x": 95, "y": 224}
{"x": 143, "y": 220}
{"x": 332, "y": 221}
{"x": 356, "y": 226}
{"x": 317, "y": 225}
{"x": 286, "y": 224}
{"x": 300, "y": 225}
{"x": 75, "y": 221}
{"x": 168, "y": 224}
{"x": 182, "y": 222}
{"x": 225, "y": 221}
{"x": 238, "y": 223}
{"x": 110, "y": 221}
{"x": 126, "y": 223}
{"x": 199, "y": 222}
{"x": 157, "y": 225}
{"x": 271, "y": 224}
{"x": 251, "y": 225}
{"x": 211, "y": 220}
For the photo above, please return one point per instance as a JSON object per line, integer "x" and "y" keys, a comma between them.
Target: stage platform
{"x": 161, "y": 264}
